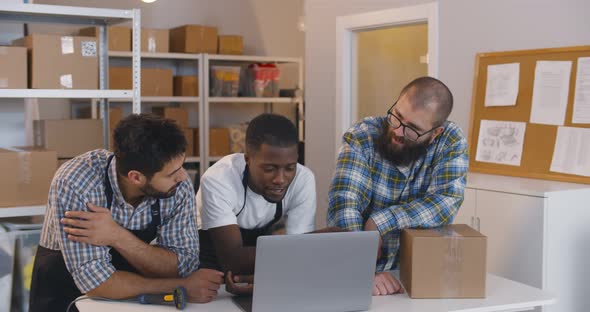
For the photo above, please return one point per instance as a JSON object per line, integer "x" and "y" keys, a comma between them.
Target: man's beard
{"x": 403, "y": 156}
{"x": 150, "y": 191}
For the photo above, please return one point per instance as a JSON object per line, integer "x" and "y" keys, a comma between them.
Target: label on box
{"x": 24, "y": 159}
{"x": 66, "y": 81}
{"x": 67, "y": 45}
{"x": 88, "y": 48}
{"x": 151, "y": 44}
{"x": 3, "y": 82}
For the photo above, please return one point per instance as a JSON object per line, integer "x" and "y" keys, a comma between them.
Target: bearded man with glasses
{"x": 404, "y": 170}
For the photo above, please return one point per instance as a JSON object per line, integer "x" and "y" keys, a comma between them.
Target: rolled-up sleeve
{"x": 89, "y": 265}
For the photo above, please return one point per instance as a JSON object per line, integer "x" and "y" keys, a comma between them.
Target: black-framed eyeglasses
{"x": 409, "y": 133}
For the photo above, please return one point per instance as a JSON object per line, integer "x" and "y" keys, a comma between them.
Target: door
{"x": 387, "y": 59}
{"x": 514, "y": 227}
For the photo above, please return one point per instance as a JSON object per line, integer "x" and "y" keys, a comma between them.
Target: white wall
{"x": 466, "y": 27}
{"x": 269, "y": 28}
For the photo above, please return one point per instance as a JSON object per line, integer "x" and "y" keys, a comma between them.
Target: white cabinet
{"x": 537, "y": 233}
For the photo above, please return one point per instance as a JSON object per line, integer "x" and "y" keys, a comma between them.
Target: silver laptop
{"x": 313, "y": 272}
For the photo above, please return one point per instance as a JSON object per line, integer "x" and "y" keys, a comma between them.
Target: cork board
{"x": 539, "y": 139}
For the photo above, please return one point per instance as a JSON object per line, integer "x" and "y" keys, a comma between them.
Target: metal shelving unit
{"x": 206, "y": 100}
{"x": 57, "y": 14}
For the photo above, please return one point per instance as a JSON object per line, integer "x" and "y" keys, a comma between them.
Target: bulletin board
{"x": 539, "y": 139}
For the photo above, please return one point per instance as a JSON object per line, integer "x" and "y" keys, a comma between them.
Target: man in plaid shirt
{"x": 404, "y": 170}
{"x": 104, "y": 210}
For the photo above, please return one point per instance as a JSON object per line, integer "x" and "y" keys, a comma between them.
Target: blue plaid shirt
{"x": 424, "y": 194}
{"x": 81, "y": 180}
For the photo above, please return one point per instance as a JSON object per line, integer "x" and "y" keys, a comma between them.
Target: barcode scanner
{"x": 176, "y": 298}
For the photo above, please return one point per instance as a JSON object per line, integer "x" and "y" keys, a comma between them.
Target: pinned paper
{"x": 550, "y": 91}
{"x": 502, "y": 84}
{"x": 67, "y": 45}
{"x": 500, "y": 142}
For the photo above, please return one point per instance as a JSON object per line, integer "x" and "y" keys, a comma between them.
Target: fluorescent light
{"x": 148, "y": 1}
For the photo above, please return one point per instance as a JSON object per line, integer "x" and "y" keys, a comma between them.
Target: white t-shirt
{"x": 221, "y": 196}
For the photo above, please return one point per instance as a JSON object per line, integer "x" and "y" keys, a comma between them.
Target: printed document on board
{"x": 502, "y": 84}
{"x": 572, "y": 151}
{"x": 582, "y": 95}
{"x": 550, "y": 91}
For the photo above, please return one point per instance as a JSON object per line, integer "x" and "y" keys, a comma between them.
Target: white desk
{"x": 502, "y": 295}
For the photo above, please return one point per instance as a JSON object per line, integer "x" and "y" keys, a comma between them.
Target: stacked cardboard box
{"x": 69, "y": 137}
{"x": 186, "y": 86}
{"x": 219, "y": 143}
{"x": 13, "y": 64}
{"x": 154, "y": 81}
{"x": 61, "y": 62}
{"x": 119, "y": 37}
{"x": 229, "y": 44}
{"x": 26, "y": 175}
{"x": 193, "y": 39}
{"x": 155, "y": 40}
{"x": 446, "y": 262}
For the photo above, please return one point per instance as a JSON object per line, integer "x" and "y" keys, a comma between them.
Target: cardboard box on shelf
{"x": 218, "y": 141}
{"x": 119, "y": 37}
{"x": 230, "y": 44}
{"x": 186, "y": 86}
{"x": 13, "y": 64}
{"x": 154, "y": 81}
{"x": 61, "y": 62}
{"x": 69, "y": 137}
{"x": 26, "y": 175}
{"x": 178, "y": 114}
{"x": 446, "y": 262}
{"x": 193, "y": 39}
{"x": 155, "y": 40}
{"x": 190, "y": 142}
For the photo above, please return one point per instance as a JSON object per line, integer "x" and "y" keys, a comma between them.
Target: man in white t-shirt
{"x": 242, "y": 196}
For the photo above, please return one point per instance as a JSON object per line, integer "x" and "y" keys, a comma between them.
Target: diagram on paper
{"x": 500, "y": 142}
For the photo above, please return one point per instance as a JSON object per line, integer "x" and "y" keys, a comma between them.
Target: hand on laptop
{"x": 241, "y": 290}
{"x": 202, "y": 285}
{"x": 386, "y": 284}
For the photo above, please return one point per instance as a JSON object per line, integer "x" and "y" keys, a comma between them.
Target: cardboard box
{"x": 155, "y": 40}
{"x": 178, "y": 114}
{"x": 69, "y": 137}
{"x": 154, "y": 81}
{"x": 446, "y": 262}
{"x": 119, "y": 37}
{"x": 61, "y": 62}
{"x": 229, "y": 44}
{"x": 218, "y": 142}
{"x": 193, "y": 39}
{"x": 186, "y": 86}
{"x": 13, "y": 64}
{"x": 190, "y": 142}
{"x": 26, "y": 175}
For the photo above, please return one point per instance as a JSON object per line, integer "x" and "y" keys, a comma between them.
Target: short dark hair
{"x": 146, "y": 142}
{"x": 272, "y": 129}
{"x": 425, "y": 91}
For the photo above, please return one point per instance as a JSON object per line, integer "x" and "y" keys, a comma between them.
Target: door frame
{"x": 346, "y": 42}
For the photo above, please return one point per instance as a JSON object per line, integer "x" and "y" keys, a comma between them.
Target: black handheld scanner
{"x": 176, "y": 298}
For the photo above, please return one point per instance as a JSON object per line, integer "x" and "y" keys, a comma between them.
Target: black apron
{"x": 207, "y": 255}
{"x": 52, "y": 285}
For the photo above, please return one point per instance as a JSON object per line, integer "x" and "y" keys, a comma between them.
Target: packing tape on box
{"x": 451, "y": 278}
{"x": 3, "y": 82}
{"x": 65, "y": 81}
{"x": 67, "y": 45}
{"x": 24, "y": 165}
{"x": 151, "y": 44}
